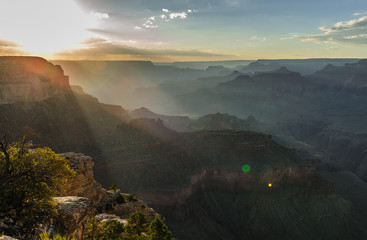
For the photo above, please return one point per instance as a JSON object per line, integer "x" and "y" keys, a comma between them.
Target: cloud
{"x": 150, "y": 23}
{"x": 94, "y": 41}
{"x": 100, "y": 16}
{"x": 180, "y": 15}
{"x": 360, "y": 13}
{"x": 153, "y": 21}
{"x": 102, "y": 50}
{"x": 352, "y": 32}
{"x": 232, "y": 3}
{"x": 11, "y": 51}
{"x": 158, "y": 5}
{"x": 10, "y": 48}
{"x": 5, "y": 43}
{"x": 257, "y": 38}
{"x": 349, "y": 25}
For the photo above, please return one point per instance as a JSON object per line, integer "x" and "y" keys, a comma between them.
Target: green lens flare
{"x": 246, "y": 168}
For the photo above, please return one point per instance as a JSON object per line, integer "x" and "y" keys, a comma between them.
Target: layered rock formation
{"x": 83, "y": 184}
{"x": 349, "y": 75}
{"x": 27, "y": 79}
{"x": 218, "y": 121}
{"x": 177, "y": 123}
{"x": 73, "y": 214}
{"x": 260, "y": 67}
{"x": 85, "y": 198}
{"x": 222, "y": 204}
{"x": 196, "y": 177}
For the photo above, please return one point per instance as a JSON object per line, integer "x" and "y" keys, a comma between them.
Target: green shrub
{"x": 29, "y": 178}
{"x": 120, "y": 199}
{"x": 113, "y": 187}
{"x": 157, "y": 230}
{"x": 46, "y": 236}
{"x": 131, "y": 197}
{"x": 137, "y": 224}
{"x": 137, "y": 228}
{"x": 106, "y": 230}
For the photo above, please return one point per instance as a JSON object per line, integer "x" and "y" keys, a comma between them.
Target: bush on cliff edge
{"x": 28, "y": 180}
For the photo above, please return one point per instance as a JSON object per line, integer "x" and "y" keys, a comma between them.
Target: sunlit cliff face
{"x": 44, "y": 26}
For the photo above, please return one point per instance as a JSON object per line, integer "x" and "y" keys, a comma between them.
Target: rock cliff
{"x": 351, "y": 75}
{"x": 224, "y": 204}
{"x": 195, "y": 177}
{"x": 195, "y": 180}
{"x": 27, "y": 79}
{"x": 85, "y": 198}
{"x": 83, "y": 184}
{"x": 73, "y": 214}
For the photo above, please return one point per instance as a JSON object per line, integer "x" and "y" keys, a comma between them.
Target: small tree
{"x": 157, "y": 230}
{"x": 29, "y": 178}
{"x": 137, "y": 224}
{"x": 105, "y": 230}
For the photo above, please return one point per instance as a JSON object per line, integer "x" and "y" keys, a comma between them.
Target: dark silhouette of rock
{"x": 348, "y": 75}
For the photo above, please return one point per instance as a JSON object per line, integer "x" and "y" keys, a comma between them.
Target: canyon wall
{"x": 28, "y": 79}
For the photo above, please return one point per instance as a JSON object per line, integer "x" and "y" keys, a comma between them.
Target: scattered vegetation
{"x": 157, "y": 230}
{"x": 131, "y": 197}
{"x": 29, "y": 178}
{"x": 113, "y": 187}
{"x": 137, "y": 228}
{"x": 120, "y": 199}
{"x": 106, "y": 230}
{"x": 46, "y": 236}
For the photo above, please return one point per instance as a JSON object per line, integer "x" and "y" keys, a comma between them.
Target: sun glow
{"x": 45, "y": 26}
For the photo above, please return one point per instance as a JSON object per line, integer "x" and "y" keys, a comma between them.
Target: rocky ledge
{"x": 84, "y": 199}
{"x": 83, "y": 184}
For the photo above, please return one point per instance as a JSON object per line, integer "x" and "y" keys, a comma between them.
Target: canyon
{"x": 194, "y": 178}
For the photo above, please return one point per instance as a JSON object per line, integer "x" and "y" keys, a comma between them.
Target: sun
{"x": 45, "y": 26}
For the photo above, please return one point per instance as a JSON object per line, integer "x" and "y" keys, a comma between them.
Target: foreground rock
{"x": 83, "y": 200}
{"x": 7, "y": 238}
{"x": 83, "y": 184}
{"x": 90, "y": 199}
{"x": 73, "y": 215}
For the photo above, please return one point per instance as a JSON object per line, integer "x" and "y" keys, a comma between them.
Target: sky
{"x": 184, "y": 30}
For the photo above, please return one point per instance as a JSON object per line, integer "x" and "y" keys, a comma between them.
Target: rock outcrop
{"x": 83, "y": 184}
{"x": 83, "y": 200}
{"x": 27, "y": 79}
{"x": 7, "y": 238}
{"x": 73, "y": 215}
{"x": 86, "y": 198}
{"x": 223, "y": 204}
{"x": 216, "y": 121}
{"x": 208, "y": 163}
{"x": 352, "y": 75}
